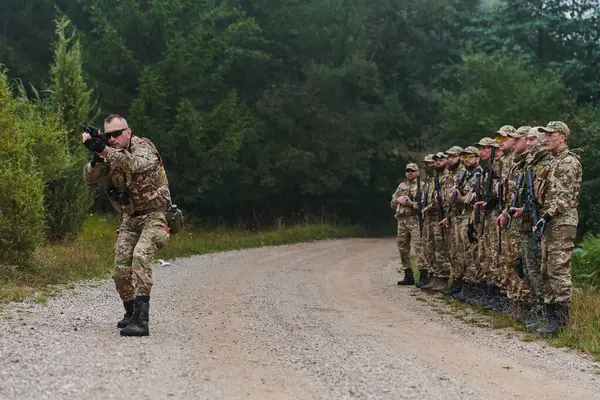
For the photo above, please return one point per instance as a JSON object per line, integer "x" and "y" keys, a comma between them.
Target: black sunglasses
{"x": 117, "y": 133}
{"x": 410, "y": 170}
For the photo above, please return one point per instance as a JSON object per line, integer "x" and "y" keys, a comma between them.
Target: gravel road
{"x": 320, "y": 320}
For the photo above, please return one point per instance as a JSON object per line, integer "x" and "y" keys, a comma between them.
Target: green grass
{"x": 91, "y": 255}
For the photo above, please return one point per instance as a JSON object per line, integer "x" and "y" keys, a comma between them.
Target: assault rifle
{"x": 439, "y": 198}
{"x": 500, "y": 196}
{"x": 471, "y": 230}
{"x": 531, "y": 204}
{"x": 515, "y": 200}
{"x": 95, "y": 133}
{"x": 419, "y": 206}
{"x": 452, "y": 202}
{"x": 488, "y": 187}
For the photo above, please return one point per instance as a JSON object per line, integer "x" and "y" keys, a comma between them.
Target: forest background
{"x": 267, "y": 111}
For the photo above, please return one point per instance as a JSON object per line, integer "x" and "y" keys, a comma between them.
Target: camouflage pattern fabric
{"x": 138, "y": 240}
{"x": 557, "y": 248}
{"x": 408, "y": 232}
{"x": 408, "y": 224}
{"x": 564, "y": 186}
{"x": 435, "y": 247}
{"x": 448, "y": 184}
{"x": 139, "y": 171}
{"x": 532, "y": 260}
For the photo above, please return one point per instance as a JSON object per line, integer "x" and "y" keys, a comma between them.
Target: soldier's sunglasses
{"x": 468, "y": 156}
{"x": 410, "y": 170}
{"x": 501, "y": 139}
{"x": 117, "y": 133}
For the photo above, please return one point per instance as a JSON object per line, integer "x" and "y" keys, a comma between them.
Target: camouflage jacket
{"x": 564, "y": 186}
{"x": 137, "y": 169}
{"x": 432, "y": 206}
{"x": 455, "y": 207}
{"x": 469, "y": 189}
{"x": 540, "y": 164}
{"x": 405, "y": 188}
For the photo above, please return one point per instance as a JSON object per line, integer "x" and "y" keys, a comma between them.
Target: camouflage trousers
{"x": 434, "y": 248}
{"x": 408, "y": 234}
{"x": 512, "y": 250}
{"x": 557, "y": 249}
{"x": 532, "y": 258}
{"x": 139, "y": 238}
{"x": 469, "y": 251}
{"x": 457, "y": 245}
{"x": 488, "y": 251}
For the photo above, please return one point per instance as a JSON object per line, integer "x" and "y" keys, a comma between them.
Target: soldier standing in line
{"x": 466, "y": 225}
{"x": 538, "y": 161}
{"x": 515, "y": 286}
{"x": 558, "y": 226}
{"x": 139, "y": 191}
{"x": 406, "y": 213}
{"x": 499, "y": 301}
{"x": 488, "y": 229}
{"x": 427, "y": 239}
{"x": 440, "y": 271}
{"x": 453, "y": 214}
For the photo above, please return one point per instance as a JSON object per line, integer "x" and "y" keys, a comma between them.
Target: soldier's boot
{"x": 409, "y": 278}
{"x": 464, "y": 293}
{"x": 492, "y": 297}
{"x": 128, "y": 312}
{"x": 440, "y": 284}
{"x": 423, "y": 278}
{"x": 138, "y": 326}
{"x": 456, "y": 287}
{"x": 534, "y": 318}
{"x": 557, "y": 318}
{"x": 431, "y": 283}
{"x": 477, "y": 292}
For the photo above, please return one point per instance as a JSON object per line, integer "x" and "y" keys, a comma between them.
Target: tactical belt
{"x": 144, "y": 212}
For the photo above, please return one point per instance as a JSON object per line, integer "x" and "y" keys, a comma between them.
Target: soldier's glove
{"x": 541, "y": 225}
{"x": 95, "y": 145}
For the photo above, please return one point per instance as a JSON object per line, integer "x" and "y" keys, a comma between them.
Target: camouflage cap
{"x": 507, "y": 130}
{"x": 439, "y": 155}
{"x": 428, "y": 158}
{"x": 487, "y": 142}
{"x": 412, "y": 166}
{"x": 556, "y": 126}
{"x": 522, "y": 131}
{"x": 471, "y": 150}
{"x": 455, "y": 150}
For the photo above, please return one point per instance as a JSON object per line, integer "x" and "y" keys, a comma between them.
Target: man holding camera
{"x": 139, "y": 191}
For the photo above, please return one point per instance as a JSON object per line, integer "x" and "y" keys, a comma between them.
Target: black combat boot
{"x": 423, "y": 278}
{"x": 465, "y": 291}
{"x": 534, "y": 318}
{"x": 409, "y": 278}
{"x": 138, "y": 326}
{"x": 128, "y": 312}
{"x": 557, "y": 318}
{"x": 478, "y": 293}
{"x": 454, "y": 288}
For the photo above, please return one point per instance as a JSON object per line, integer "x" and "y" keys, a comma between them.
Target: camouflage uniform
{"x": 488, "y": 242}
{"x": 470, "y": 252}
{"x": 453, "y": 238}
{"x": 408, "y": 224}
{"x": 540, "y": 164}
{"x": 511, "y": 239}
{"x": 434, "y": 235}
{"x": 143, "y": 230}
{"x": 564, "y": 185}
